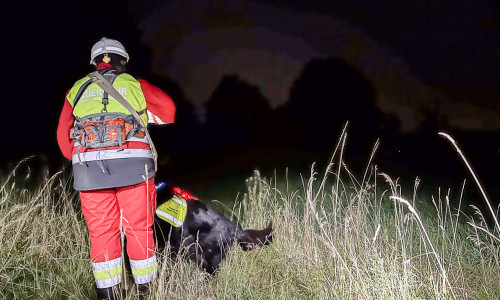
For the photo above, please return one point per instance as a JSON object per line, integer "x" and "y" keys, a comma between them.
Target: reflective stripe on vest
{"x": 107, "y": 273}
{"x": 111, "y": 154}
{"x": 91, "y": 100}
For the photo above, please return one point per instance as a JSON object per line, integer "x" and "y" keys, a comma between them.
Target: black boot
{"x": 110, "y": 293}
{"x": 143, "y": 290}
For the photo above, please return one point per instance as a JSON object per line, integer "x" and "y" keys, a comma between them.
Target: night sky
{"x": 270, "y": 85}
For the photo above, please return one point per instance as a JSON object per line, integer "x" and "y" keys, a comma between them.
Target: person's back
{"x": 113, "y": 165}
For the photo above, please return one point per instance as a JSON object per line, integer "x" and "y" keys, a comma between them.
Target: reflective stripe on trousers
{"x": 107, "y": 273}
{"x": 144, "y": 270}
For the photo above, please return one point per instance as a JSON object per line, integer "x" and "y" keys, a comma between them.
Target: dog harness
{"x": 174, "y": 210}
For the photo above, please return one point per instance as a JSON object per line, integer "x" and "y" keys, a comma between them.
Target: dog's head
{"x": 251, "y": 238}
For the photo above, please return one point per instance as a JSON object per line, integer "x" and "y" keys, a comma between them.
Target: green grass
{"x": 336, "y": 237}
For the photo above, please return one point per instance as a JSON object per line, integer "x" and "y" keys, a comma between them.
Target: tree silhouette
{"x": 237, "y": 115}
{"x": 328, "y": 93}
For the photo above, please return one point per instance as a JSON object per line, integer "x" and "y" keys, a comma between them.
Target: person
{"x": 113, "y": 165}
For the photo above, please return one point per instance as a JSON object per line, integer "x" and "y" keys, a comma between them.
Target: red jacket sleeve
{"x": 66, "y": 121}
{"x": 161, "y": 108}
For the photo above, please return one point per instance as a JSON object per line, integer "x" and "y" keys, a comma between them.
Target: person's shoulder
{"x": 127, "y": 77}
{"x": 81, "y": 80}
{"x": 74, "y": 89}
{"x": 144, "y": 83}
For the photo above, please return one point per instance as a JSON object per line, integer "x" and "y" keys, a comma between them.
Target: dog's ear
{"x": 252, "y": 238}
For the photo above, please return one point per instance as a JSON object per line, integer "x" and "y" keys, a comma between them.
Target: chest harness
{"x": 107, "y": 129}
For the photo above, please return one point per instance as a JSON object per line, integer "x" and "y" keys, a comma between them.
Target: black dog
{"x": 205, "y": 234}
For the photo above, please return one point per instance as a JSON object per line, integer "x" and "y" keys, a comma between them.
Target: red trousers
{"x": 102, "y": 209}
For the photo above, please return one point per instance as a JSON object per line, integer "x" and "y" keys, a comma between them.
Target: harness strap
{"x": 101, "y": 163}
{"x": 79, "y": 156}
{"x": 119, "y": 137}
{"x": 118, "y": 133}
{"x": 97, "y": 78}
{"x": 111, "y": 78}
{"x": 85, "y": 86}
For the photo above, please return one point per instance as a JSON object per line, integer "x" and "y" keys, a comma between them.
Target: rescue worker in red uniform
{"x": 113, "y": 165}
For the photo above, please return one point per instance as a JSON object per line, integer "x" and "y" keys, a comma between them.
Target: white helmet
{"x": 106, "y": 45}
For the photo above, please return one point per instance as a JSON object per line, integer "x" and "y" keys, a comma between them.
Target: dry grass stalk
{"x": 478, "y": 182}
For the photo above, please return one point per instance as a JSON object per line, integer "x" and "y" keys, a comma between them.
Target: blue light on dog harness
{"x": 160, "y": 185}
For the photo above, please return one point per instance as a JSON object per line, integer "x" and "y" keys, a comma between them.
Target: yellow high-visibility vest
{"x": 90, "y": 101}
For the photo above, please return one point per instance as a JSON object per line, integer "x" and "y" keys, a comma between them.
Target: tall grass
{"x": 335, "y": 238}
{"x": 44, "y": 245}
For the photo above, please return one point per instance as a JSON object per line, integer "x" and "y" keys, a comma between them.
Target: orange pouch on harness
{"x": 104, "y": 130}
